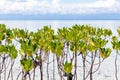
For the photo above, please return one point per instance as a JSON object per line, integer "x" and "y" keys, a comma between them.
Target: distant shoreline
{"x": 60, "y": 17}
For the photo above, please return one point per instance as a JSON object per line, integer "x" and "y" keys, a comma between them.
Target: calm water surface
{"x": 35, "y": 24}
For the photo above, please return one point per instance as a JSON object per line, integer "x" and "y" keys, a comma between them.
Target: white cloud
{"x": 103, "y": 3}
{"x": 92, "y": 7}
{"x": 54, "y": 6}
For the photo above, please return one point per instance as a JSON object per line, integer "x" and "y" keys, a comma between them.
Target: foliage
{"x": 26, "y": 64}
{"x": 83, "y": 39}
{"x": 57, "y": 47}
{"x": 8, "y": 46}
{"x": 105, "y": 52}
{"x": 67, "y": 67}
{"x": 43, "y": 38}
{"x": 2, "y": 32}
{"x": 12, "y": 51}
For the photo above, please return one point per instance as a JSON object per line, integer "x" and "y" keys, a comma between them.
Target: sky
{"x": 62, "y": 7}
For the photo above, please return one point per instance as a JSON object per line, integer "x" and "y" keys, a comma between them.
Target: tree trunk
{"x": 70, "y": 76}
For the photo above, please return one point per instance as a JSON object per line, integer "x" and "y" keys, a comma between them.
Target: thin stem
{"x": 18, "y": 76}
{"x": 10, "y": 71}
{"x": 48, "y": 68}
{"x": 91, "y": 67}
{"x": 0, "y": 67}
{"x": 98, "y": 65}
{"x": 75, "y": 71}
{"x": 84, "y": 58}
{"x": 40, "y": 65}
{"x": 53, "y": 68}
{"x": 92, "y": 61}
{"x": 116, "y": 66}
{"x": 34, "y": 73}
{"x": 59, "y": 69}
{"x": 4, "y": 65}
{"x": 29, "y": 76}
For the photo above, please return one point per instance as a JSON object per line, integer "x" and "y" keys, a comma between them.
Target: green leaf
{"x": 57, "y": 47}
{"x": 3, "y": 48}
{"x": 12, "y": 52}
{"x": 99, "y": 32}
{"x": 107, "y": 32}
{"x": 1, "y": 36}
{"x": 114, "y": 38}
{"x": 67, "y": 67}
{"x": 118, "y": 30}
{"x": 28, "y": 47}
{"x": 116, "y": 45}
{"x": 105, "y": 52}
{"x": 26, "y": 64}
